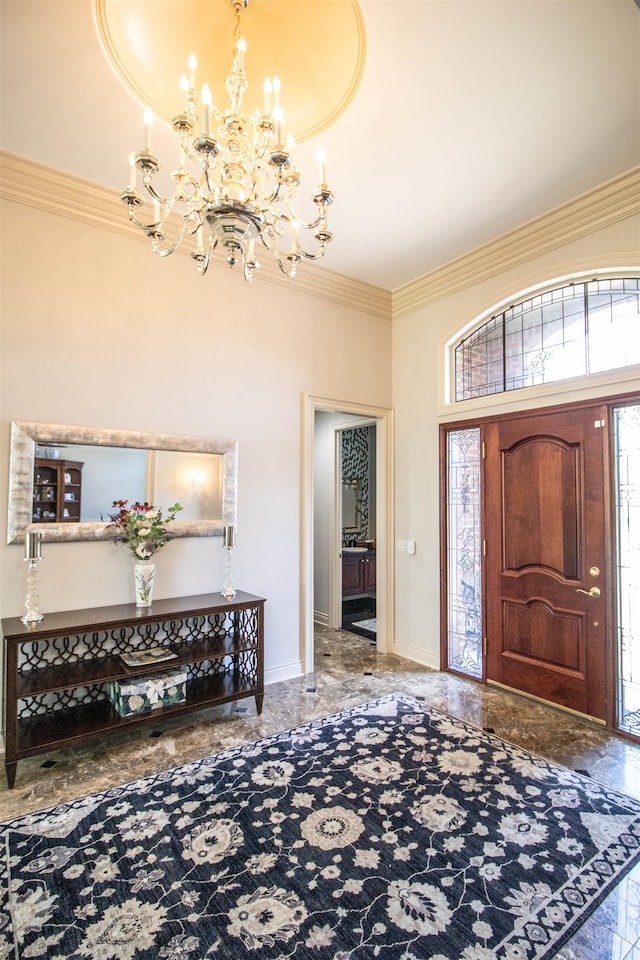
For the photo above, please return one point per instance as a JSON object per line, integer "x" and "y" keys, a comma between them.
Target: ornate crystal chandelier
{"x": 246, "y": 181}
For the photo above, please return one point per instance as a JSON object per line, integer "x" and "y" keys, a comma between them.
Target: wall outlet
{"x": 411, "y": 547}
{"x": 401, "y": 546}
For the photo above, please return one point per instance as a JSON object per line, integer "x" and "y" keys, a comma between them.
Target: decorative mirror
{"x": 351, "y": 504}
{"x": 63, "y": 480}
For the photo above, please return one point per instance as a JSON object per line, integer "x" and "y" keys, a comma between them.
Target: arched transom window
{"x": 571, "y": 331}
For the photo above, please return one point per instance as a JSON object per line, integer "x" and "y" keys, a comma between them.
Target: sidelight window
{"x": 626, "y": 431}
{"x": 572, "y": 331}
{"x": 464, "y": 557}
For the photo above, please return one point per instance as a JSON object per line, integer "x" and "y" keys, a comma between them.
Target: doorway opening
{"x": 356, "y": 528}
{"x": 323, "y": 537}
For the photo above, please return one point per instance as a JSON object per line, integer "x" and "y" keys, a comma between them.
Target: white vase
{"x": 144, "y": 575}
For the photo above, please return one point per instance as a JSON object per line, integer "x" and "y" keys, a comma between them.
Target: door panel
{"x": 545, "y": 509}
{"x": 541, "y": 530}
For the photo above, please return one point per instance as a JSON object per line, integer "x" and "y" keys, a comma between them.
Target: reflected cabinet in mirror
{"x": 63, "y": 480}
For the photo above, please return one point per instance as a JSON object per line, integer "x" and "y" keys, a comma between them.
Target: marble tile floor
{"x": 350, "y": 671}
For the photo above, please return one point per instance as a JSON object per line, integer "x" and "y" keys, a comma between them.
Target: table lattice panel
{"x": 61, "y": 700}
{"x": 91, "y": 646}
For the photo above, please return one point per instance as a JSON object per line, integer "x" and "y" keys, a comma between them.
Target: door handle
{"x": 594, "y": 592}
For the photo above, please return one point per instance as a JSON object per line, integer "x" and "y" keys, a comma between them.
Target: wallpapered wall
{"x": 356, "y": 466}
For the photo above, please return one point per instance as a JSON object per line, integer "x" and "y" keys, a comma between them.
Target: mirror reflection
{"x": 63, "y": 480}
{"x": 80, "y": 482}
{"x": 351, "y": 504}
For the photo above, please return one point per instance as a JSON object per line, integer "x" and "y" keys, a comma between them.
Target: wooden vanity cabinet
{"x": 57, "y": 490}
{"x": 358, "y": 573}
{"x": 369, "y": 573}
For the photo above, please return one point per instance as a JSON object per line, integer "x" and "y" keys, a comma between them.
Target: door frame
{"x": 385, "y": 588}
{"x": 608, "y": 401}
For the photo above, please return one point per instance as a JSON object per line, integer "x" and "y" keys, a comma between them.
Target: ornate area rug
{"x": 389, "y": 830}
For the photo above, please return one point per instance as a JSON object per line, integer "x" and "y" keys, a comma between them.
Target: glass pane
{"x": 626, "y": 425}
{"x": 567, "y": 332}
{"x": 552, "y": 343}
{"x": 479, "y": 362}
{"x": 614, "y": 328}
{"x": 464, "y": 552}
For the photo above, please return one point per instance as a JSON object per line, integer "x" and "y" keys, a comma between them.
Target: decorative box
{"x": 143, "y": 694}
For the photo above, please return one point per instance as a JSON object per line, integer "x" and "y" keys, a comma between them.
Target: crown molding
{"x": 62, "y": 194}
{"x": 615, "y": 200}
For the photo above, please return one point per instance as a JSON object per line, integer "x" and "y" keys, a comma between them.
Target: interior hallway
{"x": 349, "y": 672}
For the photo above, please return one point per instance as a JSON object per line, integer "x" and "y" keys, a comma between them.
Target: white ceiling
{"x": 472, "y": 117}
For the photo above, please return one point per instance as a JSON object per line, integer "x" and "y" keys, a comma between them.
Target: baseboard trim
{"x": 408, "y": 652}
{"x": 322, "y": 619}
{"x": 288, "y": 671}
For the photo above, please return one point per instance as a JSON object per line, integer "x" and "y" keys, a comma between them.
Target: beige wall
{"x": 419, "y": 346}
{"x": 97, "y": 331}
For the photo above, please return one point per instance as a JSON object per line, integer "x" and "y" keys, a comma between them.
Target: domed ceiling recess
{"x": 317, "y": 49}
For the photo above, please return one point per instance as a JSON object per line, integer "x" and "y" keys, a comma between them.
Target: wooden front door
{"x": 545, "y": 557}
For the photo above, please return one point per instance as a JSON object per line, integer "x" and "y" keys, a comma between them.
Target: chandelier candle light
{"x": 33, "y": 553}
{"x": 246, "y": 181}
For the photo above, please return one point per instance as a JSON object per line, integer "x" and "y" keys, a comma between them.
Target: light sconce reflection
{"x": 195, "y": 482}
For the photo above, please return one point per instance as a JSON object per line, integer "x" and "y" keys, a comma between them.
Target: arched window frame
{"x": 534, "y": 393}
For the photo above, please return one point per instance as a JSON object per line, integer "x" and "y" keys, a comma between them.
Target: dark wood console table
{"x": 57, "y": 671}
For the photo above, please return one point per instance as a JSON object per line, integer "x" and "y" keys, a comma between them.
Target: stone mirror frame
{"x": 24, "y": 437}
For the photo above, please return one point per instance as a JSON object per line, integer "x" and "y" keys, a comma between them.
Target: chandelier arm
{"x": 275, "y": 196}
{"x": 148, "y": 228}
{"x": 185, "y": 181}
{"x": 308, "y": 226}
{"x": 186, "y": 196}
{"x": 153, "y": 193}
{"x": 159, "y": 236}
{"x": 202, "y": 268}
{"x": 314, "y": 256}
{"x": 205, "y": 167}
{"x": 291, "y": 272}
{"x": 203, "y": 259}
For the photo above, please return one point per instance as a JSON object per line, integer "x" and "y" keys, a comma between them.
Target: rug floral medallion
{"x": 389, "y": 830}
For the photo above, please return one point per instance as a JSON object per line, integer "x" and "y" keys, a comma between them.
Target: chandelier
{"x": 235, "y": 182}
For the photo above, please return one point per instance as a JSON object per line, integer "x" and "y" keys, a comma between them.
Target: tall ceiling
{"x": 471, "y": 118}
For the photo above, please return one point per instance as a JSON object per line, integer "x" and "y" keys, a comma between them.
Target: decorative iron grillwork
{"x": 574, "y": 330}
{"x": 88, "y": 647}
{"x": 60, "y": 700}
